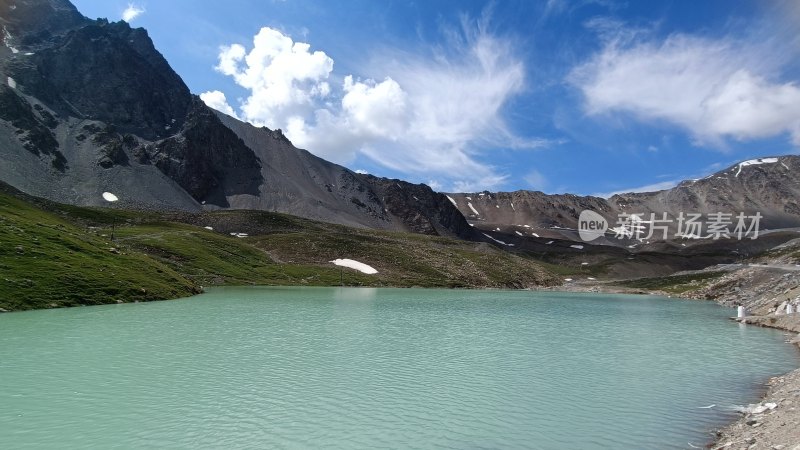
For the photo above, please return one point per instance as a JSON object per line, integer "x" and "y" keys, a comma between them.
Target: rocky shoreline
{"x": 765, "y": 291}
{"x": 774, "y": 423}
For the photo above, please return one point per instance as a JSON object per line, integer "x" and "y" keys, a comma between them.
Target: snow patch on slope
{"x": 755, "y": 162}
{"x": 353, "y": 264}
{"x": 7, "y": 41}
{"x": 498, "y": 240}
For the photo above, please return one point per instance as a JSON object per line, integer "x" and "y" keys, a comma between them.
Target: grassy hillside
{"x": 57, "y": 255}
{"x": 47, "y": 260}
{"x": 673, "y": 284}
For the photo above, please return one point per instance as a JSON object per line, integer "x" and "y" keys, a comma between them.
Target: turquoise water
{"x": 397, "y": 368}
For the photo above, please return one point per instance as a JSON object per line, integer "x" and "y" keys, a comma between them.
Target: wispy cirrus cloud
{"x": 715, "y": 88}
{"x": 429, "y": 114}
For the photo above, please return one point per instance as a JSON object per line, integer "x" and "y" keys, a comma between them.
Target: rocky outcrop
{"x": 32, "y": 126}
{"x": 106, "y": 72}
{"x": 419, "y": 208}
{"x": 299, "y": 183}
{"x": 207, "y": 159}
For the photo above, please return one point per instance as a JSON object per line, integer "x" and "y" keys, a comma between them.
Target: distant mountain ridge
{"x": 91, "y": 106}
{"x": 768, "y": 186}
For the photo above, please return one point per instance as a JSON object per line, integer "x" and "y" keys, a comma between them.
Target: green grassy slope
{"x": 673, "y": 284}
{"x": 48, "y": 261}
{"x": 57, "y": 255}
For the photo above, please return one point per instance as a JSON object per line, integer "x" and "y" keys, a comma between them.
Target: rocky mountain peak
{"x": 92, "y": 69}
{"x": 31, "y": 23}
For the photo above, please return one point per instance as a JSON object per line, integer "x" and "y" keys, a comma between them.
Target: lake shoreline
{"x": 774, "y": 423}
{"x": 762, "y": 426}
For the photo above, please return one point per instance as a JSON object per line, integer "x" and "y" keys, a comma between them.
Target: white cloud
{"x": 375, "y": 109}
{"x": 217, "y": 100}
{"x": 429, "y": 116}
{"x": 284, "y": 77}
{"x": 716, "y": 89}
{"x": 132, "y": 12}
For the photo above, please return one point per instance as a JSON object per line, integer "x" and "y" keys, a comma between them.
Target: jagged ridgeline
{"x": 88, "y": 106}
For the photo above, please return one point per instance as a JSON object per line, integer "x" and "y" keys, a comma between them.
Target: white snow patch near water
{"x": 757, "y": 408}
{"x": 519, "y": 233}
{"x": 579, "y": 247}
{"x": 353, "y": 264}
{"x": 534, "y": 235}
{"x": 473, "y": 208}
{"x": 11, "y": 83}
{"x": 755, "y": 162}
{"x": 452, "y": 201}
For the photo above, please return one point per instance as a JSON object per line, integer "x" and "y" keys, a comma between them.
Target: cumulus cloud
{"x": 217, "y": 100}
{"x": 427, "y": 115}
{"x": 717, "y": 89}
{"x": 132, "y": 12}
{"x": 283, "y": 77}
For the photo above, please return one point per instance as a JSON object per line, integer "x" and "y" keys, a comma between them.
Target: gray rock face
{"x": 31, "y": 125}
{"x": 34, "y": 23}
{"x": 107, "y": 72}
{"x": 207, "y": 159}
{"x": 420, "y": 208}
{"x": 297, "y": 182}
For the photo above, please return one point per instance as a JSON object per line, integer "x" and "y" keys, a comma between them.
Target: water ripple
{"x": 339, "y": 368}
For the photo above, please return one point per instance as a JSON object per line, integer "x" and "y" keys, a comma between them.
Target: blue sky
{"x": 584, "y": 96}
